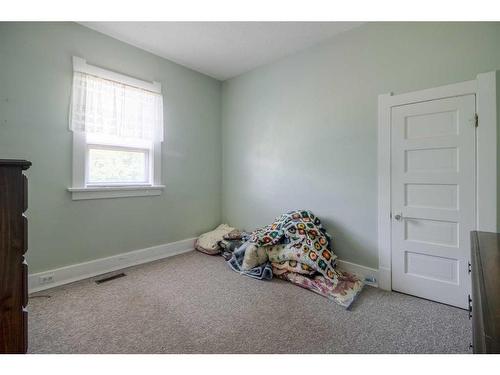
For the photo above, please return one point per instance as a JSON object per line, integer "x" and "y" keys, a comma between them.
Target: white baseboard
{"x": 361, "y": 271}
{"x": 80, "y": 271}
{"x": 85, "y": 270}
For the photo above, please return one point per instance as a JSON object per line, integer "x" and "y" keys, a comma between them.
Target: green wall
{"x": 298, "y": 133}
{"x": 302, "y": 132}
{"x": 35, "y": 84}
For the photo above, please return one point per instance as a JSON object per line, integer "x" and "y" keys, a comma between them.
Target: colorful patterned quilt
{"x": 298, "y": 236}
{"x": 296, "y": 247}
{"x": 299, "y": 249}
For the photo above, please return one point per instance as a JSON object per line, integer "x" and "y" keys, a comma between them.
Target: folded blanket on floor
{"x": 261, "y": 271}
{"x": 296, "y": 248}
{"x": 344, "y": 291}
{"x": 298, "y": 236}
{"x": 228, "y": 247}
{"x": 293, "y": 266}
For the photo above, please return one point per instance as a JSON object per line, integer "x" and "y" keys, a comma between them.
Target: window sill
{"x": 101, "y": 192}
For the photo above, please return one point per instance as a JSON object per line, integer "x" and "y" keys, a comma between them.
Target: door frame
{"x": 484, "y": 87}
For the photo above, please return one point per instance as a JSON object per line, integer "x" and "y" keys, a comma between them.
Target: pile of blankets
{"x": 295, "y": 247}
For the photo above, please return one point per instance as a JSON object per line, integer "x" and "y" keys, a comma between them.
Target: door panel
{"x": 432, "y": 267}
{"x": 439, "y": 196}
{"x": 436, "y": 232}
{"x": 433, "y": 197}
{"x": 432, "y": 160}
{"x": 431, "y": 125}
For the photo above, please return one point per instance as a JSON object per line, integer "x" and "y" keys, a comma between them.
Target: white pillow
{"x": 209, "y": 242}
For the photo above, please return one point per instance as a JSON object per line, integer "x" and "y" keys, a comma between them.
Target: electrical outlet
{"x": 370, "y": 280}
{"x": 46, "y": 279}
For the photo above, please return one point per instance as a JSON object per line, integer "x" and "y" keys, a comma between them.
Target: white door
{"x": 433, "y": 197}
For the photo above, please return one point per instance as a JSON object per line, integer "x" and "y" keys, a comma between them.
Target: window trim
{"x": 115, "y": 192}
{"x": 80, "y": 65}
{"x": 80, "y": 190}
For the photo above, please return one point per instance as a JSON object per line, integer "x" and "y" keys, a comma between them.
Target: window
{"x": 117, "y": 124}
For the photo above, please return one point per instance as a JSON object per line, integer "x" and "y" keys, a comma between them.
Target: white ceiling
{"x": 222, "y": 49}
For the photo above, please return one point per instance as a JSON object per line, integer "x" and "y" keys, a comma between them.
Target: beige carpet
{"x": 193, "y": 303}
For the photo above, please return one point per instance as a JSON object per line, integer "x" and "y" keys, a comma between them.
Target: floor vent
{"x": 109, "y": 278}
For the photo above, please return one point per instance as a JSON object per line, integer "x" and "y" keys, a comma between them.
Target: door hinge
{"x": 469, "y": 267}
{"x": 476, "y": 120}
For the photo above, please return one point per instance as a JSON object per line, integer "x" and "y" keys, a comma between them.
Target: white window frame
{"x": 80, "y": 188}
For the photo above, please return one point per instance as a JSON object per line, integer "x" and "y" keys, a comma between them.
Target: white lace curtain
{"x": 101, "y": 106}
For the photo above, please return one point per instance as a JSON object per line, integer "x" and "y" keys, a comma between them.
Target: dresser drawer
{"x": 25, "y": 193}
{"x": 24, "y": 246}
{"x": 24, "y": 294}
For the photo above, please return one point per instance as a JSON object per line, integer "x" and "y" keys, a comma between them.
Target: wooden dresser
{"x": 13, "y": 246}
{"x": 484, "y": 306}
